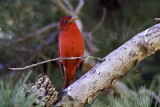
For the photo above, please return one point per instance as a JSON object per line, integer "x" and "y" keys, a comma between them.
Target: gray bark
{"x": 116, "y": 64}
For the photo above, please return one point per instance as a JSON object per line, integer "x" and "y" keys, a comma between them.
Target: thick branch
{"x": 115, "y": 65}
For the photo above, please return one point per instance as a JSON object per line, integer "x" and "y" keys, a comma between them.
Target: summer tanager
{"x": 71, "y": 44}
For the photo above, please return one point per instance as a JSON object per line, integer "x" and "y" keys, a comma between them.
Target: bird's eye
{"x": 66, "y": 21}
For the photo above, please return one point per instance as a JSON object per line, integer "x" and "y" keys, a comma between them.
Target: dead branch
{"x": 115, "y": 65}
{"x": 56, "y": 59}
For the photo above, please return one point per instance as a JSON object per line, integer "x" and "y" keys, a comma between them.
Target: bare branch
{"x": 56, "y": 59}
{"x": 68, "y": 8}
{"x": 67, "y": 2}
{"x": 64, "y": 8}
{"x": 79, "y": 7}
{"x": 115, "y": 65}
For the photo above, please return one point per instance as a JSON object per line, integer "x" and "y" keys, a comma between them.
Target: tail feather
{"x": 69, "y": 75}
{"x": 68, "y": 82}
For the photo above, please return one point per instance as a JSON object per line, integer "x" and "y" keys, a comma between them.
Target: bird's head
{"x": 68, "y": 22}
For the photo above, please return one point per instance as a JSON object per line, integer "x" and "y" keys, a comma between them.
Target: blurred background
{"x": 29, "y": 34}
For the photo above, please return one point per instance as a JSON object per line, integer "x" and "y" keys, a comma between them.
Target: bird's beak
{"x": 73, "y": 18}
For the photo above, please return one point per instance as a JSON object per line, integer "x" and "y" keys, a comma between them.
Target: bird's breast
{"x": 71, "y": 44}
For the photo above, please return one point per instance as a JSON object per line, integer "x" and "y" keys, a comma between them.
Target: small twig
{"x": 56, "y": 59}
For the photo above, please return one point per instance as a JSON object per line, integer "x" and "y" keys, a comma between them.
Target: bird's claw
{"x": 60, "y": 94}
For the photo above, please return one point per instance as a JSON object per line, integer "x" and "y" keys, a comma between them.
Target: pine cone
{"x": 47, "y": 95}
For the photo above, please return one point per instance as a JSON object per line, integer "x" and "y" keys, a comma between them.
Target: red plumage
{"x": 71, "y": 44}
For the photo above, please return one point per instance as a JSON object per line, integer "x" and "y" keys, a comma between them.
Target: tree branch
{"x": 79, "y": 7}
{"x": 56, "y": 59}
{"x": 115, "y": 65}
{"x": 64, "y": 8}
{"x": 67, "y": 2}
{"x": 68, "y": 8}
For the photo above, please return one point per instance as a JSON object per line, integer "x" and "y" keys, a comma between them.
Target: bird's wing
{"x": 60, "y": 64}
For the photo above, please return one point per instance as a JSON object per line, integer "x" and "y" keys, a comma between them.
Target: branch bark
{"x": 115, "y": 65}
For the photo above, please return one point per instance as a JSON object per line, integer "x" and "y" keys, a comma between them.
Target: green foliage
{"x": 12, "y": 95}
{"x": 143, "y": 99}
{"x": 140, "y": 98}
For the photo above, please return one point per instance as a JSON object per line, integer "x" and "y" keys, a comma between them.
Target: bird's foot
{"x": 60, "y": 94}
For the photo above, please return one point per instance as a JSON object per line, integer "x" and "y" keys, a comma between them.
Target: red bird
{"x": 71, "y": 44}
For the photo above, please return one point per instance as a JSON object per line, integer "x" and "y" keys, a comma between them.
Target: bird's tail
{"x": 69, "y": 75}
